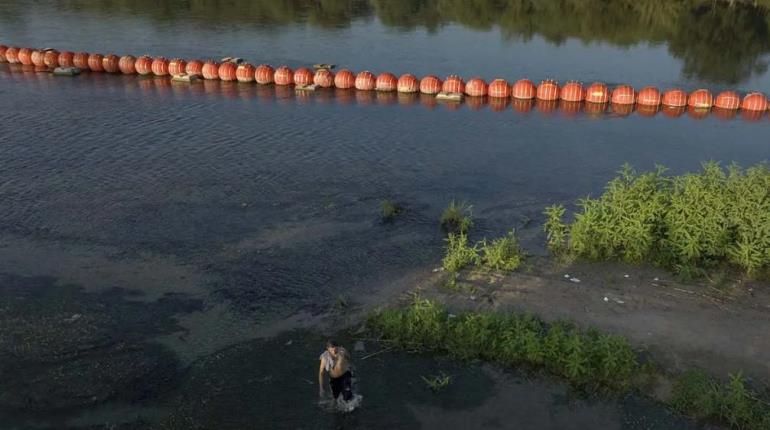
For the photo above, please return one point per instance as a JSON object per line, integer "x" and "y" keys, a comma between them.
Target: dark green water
{"x": 185, "y": 224}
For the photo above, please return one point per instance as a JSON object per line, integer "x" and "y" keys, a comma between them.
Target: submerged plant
{"x": 390, "y": 210}
{"x": 457, "y": 217}
{"x": 438, "y": 382}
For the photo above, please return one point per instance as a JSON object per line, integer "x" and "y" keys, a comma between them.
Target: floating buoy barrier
{"x": 365, "y": 81}
{"x": 407, "y": 83}
{"x": 623, "y": 95}
{"x": 499, "y": 89}
{"x": 572, "y": 92}
{"x": 476, "y": 87}
{"x": 648, "y": 96}
{"x": 194, "y": 68}
{"x": 431, "y": 85}
{"x": 324, "y": 78}
{"x": 700, "y": 99}
{"x": 284, "y": 76}
{"x": 386, "y": 82}
{"x": 111, "y": 63}
{"x": 143, "y": 65}
{"x": 674, "y": 98}
{"x": 523, "y": 95}
{"x": 727, "y": 100}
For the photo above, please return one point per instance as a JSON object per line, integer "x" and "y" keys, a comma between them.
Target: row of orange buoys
{"x": 524, "y": 89}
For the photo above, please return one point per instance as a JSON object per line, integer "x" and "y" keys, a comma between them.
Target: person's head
{"x": 332, "y": 346}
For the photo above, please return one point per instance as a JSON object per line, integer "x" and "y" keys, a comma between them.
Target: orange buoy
{"x": 25, "y": 56}
{"x": 648, "y": 96}
{"x": 524, "y": 89}
{"x": 754, "y": 102}
{"x": 597, "y": 93}
{"x": 38, "y": 58}
{"x": 51, "y": 58}
{"x": 623, "y": 95}
{"x": 476, "y": 87}
{"x": 177, "y": 66}
{"x": 66, "y": 59}
{"x": 210, "y": 70}
{"x": 548, "y": 90}
{"x": 3, "y": 49}
{"x": 453, "y": 84}
{"x": 303, "y": 76}
{"x": 727, "y": 100}
{"x": 430, "y": 85}
{"x": 386, "y": 82}
{"x": 227, "y": 71}
{"x": 194, "y": 68}
{"x": 407, "y": 83}
{"x": 283, "y": 76}
{"x": 572, "y": 92}
{"x": 700, "y": 99}
{"x": 365, "y": 81}
{"x": 499, "y": 88}
{"x": 324, "y": 78}
{"x": 111, "y": 63}
{"x": 674, "y": 98}
{"x": 12, "y": 55}
{"x": 143, "y": 65}
{"x": 648, "y": 110}
{"x": 263, "y": 74}
{"x": 160, "y": 66}
{"x": 245, "y": 73}
{"x": 127, "y": 64}
{"x": 80, "y": 60}
{"x": 96, "y": 62}
{"x": 344, "y": 79}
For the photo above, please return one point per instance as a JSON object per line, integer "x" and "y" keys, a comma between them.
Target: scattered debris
{"x": 626, "y": 276}
{"x": 66, "y": 71}
{"x": 567, "y": 276}
{"x": 606, "y": 299}
{"x": 454, "y": 97}
{"x": 73, "y": 318}
{"x": 574, "y": 280}
{"x": 289, "y": 342}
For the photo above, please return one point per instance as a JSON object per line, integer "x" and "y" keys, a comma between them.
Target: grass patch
{"x": 586, "y": 359}
{"x": 698, "y": 395}
{"x": 389, "y": 210}
{"x": 457, "y": 217}
{"x": 501, "y": 254}
{"x": 689, "y": 223}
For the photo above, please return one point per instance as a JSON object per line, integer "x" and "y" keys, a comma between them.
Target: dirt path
{"x": 722, "y": 330}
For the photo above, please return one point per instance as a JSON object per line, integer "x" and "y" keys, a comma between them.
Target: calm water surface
{"x": 237, "y": 207}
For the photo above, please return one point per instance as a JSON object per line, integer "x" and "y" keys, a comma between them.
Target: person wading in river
{"x": 336, "y": 362}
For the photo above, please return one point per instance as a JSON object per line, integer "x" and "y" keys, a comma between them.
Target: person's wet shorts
{"x": 342, "y": 385}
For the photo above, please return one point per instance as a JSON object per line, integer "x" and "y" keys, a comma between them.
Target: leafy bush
{"x": 687, "y": 223}
{"x": 459, "y": 254}
{"x": 457, "y": 217}
{"x": 502, "y": 253}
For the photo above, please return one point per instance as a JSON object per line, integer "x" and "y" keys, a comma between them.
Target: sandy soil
{"x": 722, "y": 328}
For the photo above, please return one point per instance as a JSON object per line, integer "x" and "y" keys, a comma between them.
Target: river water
{"x": 170, "y": 228}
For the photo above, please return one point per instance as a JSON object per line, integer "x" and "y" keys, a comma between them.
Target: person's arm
{"x": 321, "y": 377}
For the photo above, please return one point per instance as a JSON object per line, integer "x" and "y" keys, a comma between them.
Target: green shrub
{"x": 502, "y": 254}
{"x": 459, "y": 254}
{"x": 687, "y": 223}
{"x": 457, "y": 217}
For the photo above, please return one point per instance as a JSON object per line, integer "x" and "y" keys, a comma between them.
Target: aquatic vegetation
{"x": 457, "y": 217}
{"x": 698, "y": 395}
{"x": 438, "y": 382}
{"x": 390, "y": 210}
{"x": 585, "y": 359}
{"x": 459, "y": 254}
{"x": 502, "y": 254}
{"x": 688, "y": 223}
